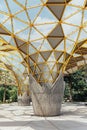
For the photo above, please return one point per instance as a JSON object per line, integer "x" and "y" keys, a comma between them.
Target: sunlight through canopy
{"x": 51, "y": 36}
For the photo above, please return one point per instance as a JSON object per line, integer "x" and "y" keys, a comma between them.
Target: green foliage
{"x": 76, "y": 86}
{"x": 66, "y": 93}
{"x": 1, "y": 93}
{"x": 11, "y": 93}
{"x": 8, "y": 93}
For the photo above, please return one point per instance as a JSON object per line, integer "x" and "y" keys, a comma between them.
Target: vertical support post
{"x": 47, "y": 102}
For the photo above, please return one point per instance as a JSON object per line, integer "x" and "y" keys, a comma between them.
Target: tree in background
{"x": 8, "y": 89}
{"x": 13, "y": 93}
{"x": 76, "y": 85}
{"x": 1, "y": 93}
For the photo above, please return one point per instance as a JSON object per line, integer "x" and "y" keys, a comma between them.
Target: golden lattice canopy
{"x": 51, "y": 35}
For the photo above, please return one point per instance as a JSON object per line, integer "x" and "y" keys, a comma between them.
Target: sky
{"x": 44, "y": 23}
{"x": 44, "y": 17}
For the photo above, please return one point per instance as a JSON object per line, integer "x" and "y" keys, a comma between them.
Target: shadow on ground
{"x": 47, "y": 124}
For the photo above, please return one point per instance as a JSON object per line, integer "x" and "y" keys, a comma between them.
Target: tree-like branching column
{"x": 48, "y": 34}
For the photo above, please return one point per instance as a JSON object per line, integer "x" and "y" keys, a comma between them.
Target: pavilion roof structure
{"x": 11, "y": 60}
{"x": 49, "y": 34}
{"x": 78, "y": 59}
{"x": 7, "y": 76}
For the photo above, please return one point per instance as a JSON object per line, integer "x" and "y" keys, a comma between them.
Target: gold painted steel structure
{"x": 78, "y": 59}
{"x": 49, "y": 34}
{"x": 10, "y": 59}
{"x": 5, "y": 69}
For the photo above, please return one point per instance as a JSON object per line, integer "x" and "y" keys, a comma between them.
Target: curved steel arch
{"x": 9, "y": 68}
{"x": 78, "y": 59}
{"x": 9, "y": 54}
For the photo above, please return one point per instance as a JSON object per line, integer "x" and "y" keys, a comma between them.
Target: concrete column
{"x": 23, "y": 93}
{"x": 47, "y": 101}
{"x": 24, "y": 100}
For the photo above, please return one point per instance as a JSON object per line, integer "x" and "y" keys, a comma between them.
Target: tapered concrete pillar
{"x": 47, "y": 101}
{"x": 23, "y": 93}
{"x": 24, "y": 100}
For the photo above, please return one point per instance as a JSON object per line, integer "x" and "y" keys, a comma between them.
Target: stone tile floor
{"x": 14, "y": 117}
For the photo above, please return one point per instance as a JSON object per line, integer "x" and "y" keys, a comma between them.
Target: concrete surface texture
{"x": 14, "y": 117}
{"x": 24, "y": 100}
{"x": 47, "y": 100}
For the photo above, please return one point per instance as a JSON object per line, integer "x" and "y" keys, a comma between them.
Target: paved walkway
{"x": 13, "y": 117}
